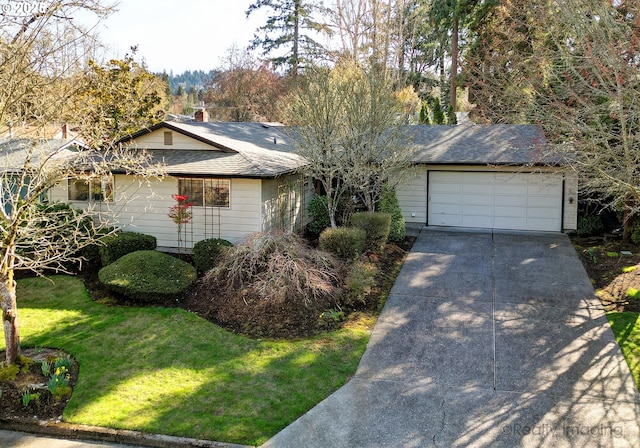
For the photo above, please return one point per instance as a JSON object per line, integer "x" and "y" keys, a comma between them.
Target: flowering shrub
{"x": 181, "y": 214}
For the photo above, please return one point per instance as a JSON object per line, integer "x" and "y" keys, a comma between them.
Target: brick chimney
{"x": 65, "y": 131}
{"x": 201, "y": 115}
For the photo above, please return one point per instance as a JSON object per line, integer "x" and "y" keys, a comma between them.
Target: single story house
{"x": 488, "y": 176}
{"x": 240, "y": 178}
{"x": 245, "y": 177}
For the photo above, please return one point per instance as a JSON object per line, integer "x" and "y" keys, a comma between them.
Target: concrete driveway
{"x": 487, "y": 339}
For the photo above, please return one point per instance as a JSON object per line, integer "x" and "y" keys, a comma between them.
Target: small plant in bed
{"x": 148, "y": 276}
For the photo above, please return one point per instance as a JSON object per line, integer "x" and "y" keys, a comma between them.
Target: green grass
{"x": 168, "y": 371}
{"x": 626, "y": 327}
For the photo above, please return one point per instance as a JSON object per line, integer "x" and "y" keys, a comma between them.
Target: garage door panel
{"x": 446, "y": 209}
{"x": 442, "y": 188}
{"x": 477, "y": 210}
{"x": 541, "y": 224}
{"x": 476, "y": 188}
{"x": 510, "y": 201}
{"x": 483, "y": 222}
{"x": 511, "y": 190}
{"x": 446, "y": 198}
{"x": 543, "y": 202}
{"x": 442, "y": 219}
{"x": 486, "y": 201}
{"x": 526, "y": 201}
{"x": 517, "y": 212}
{"x": 475, "y": 178}
{"x": 544, "y": 213}
{"x": 506, "y": 222}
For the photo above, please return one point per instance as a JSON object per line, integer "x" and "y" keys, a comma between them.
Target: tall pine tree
{"x": 290, "y": 26}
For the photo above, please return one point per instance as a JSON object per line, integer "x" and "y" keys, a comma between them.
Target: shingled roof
{"x": 260, "y": 150}
{"x": 15, "y": 152}
{"x": 254, "y": 150}
{"x": 481, "y": 145}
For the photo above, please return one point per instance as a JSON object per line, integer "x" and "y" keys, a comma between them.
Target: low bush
{"x": 270, "y": 283}
{"x": 377, "y": 226}
{"x": 148, "y": 276}
{"x": 207, "y": 252}
{"x": 389, "y": 204}
{"x": 589, "y": 225}
{"x": 345, "y": 242}
{"x": 123, "y": 243}
{"x": 359, "y": 283}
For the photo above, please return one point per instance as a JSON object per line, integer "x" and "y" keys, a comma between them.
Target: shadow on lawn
{"x": 168, "y": 371}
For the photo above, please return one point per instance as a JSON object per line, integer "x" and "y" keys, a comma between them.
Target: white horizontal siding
{"x": 144, "y": 208}
{"x": 570, "y": 214}
{"x": 155, "y": 140}
{"x": 412, "y": 197}
{"x": 284, "y": 201}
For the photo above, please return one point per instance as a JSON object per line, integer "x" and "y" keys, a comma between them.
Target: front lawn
{"x": 168, "y": 371}
{"x": 626, "y": 327}
{"x": 612, "y": 267}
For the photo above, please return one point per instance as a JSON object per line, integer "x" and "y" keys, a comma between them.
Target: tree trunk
{"x": 10, "y": 317}
{"x": 296, "y": 39}
{"x": 454, "y": 66}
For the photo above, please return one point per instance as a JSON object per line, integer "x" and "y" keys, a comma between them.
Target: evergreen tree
{"x": 291, "y": 25}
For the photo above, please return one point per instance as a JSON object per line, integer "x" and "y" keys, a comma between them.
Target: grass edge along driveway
{"x": 168, "y": 371}
{"x": 626, "y": 328}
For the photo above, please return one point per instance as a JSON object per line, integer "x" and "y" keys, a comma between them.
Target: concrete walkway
{"x": 487, "y": 339}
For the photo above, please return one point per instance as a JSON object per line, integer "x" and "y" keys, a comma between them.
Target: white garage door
{"x": 523, "y": 201}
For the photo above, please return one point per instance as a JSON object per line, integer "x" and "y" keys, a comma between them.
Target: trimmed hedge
{"x": 206, "y": 253}
{"x": 148, "y": 276}
{"x": 123, "y": 243}
{"x": 345, "y": 242}
{"x": 389, "y": 204}
{"x": 377, "y": 226}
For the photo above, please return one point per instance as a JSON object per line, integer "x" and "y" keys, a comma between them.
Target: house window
{"x": 91, "y": 189}
{"x": 168, "y": 138}
{"x": 205, "y": 192}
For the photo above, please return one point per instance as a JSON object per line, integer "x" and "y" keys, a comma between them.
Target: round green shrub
{"x": 206, "y": 252}
{"x": 589, "y": 225}
{"x": 123, "y": 243}
{"x": 377, "y": 226}
{"x": 389, "y": 204}
{"x": 319, "y": 212}
{"x": 345, "y": 242}
{"x": 148, "y": 276}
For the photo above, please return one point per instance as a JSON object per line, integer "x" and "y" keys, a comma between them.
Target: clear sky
{"x": 180, "y": 35}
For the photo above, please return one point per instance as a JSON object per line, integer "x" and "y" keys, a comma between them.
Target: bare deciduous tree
{"x": 39, "y": 79}
{"x": 245, "y": 89}
{"x": 350, "y": 128}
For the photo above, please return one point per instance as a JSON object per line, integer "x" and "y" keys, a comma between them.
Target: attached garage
{"x": 490, "y": 177}
{"x": 523, "y": 201}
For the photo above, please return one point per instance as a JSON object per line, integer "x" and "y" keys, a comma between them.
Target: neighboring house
{"x": 488, "y": 176}
{"x": 15, "y": 152}
{"x": 240, "y": 177}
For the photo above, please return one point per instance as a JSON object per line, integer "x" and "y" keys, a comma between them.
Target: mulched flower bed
{"x": 42, "y": 406}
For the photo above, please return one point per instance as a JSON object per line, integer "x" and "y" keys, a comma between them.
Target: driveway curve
{"x": 488, "y": 339}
